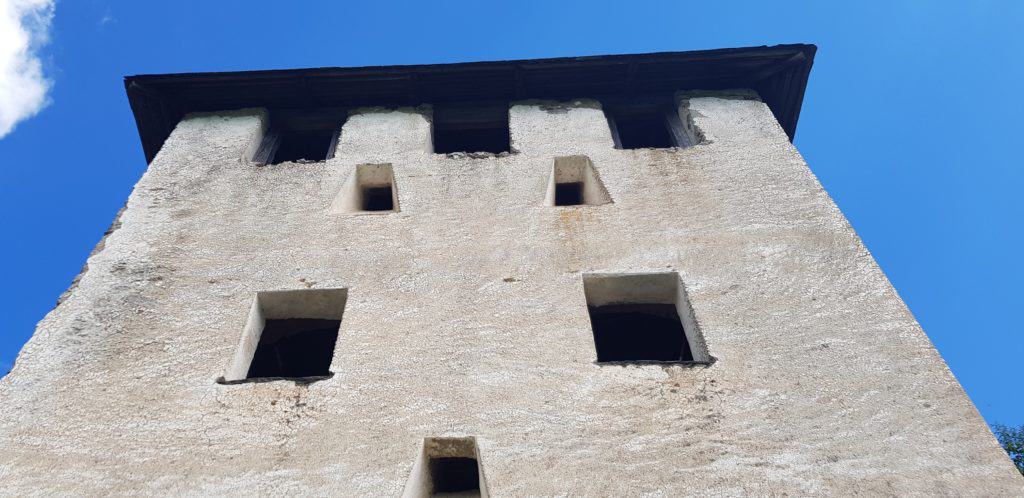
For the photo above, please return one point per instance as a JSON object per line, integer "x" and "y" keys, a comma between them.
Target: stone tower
{"x": 598, "y": 276}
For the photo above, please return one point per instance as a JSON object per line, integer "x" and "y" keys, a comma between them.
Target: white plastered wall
{"x": 467, "y": 315}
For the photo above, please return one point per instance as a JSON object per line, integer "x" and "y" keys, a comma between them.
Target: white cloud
{"x": 24, "y": 28}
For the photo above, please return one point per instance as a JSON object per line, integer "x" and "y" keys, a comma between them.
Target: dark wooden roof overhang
{"x": 779, "y": 74}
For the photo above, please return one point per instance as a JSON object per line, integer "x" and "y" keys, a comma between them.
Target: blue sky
{"x": 911, "y": 121}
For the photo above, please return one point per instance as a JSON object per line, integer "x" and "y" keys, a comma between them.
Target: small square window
{"x": 639, "y": 318}
{"x": 479, "y": 127}
{"x": 289, "y": 335}
{"x": 574, "y": 182}
{"x": 447, "y": 466}
{"x": 370, "y": 188}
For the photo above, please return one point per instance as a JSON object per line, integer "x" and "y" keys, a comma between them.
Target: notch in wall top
{"x": 574, "y": 181}
{"x": 300, "y": 135}
{"x": 650, "y": 122}
{"x": 447, "y": 466}
{"x": 471, "y": 127}
{"x": 369, "y": 189}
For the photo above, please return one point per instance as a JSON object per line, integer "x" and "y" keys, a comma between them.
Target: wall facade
{"x": 466, "y": 316}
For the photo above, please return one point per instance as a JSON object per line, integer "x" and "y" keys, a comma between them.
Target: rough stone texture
{"x": 466, "y": 317}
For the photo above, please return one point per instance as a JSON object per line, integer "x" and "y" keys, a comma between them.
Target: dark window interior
{"x": 639, "y": 332}
{"x": 378, "y": 199}
{"x": 645, "y": 123}
{"x": 301, "y": 134}
{"x": 295, "y": 347}
{"x": 644, "y": 131}
{"x": 455, "y": 475}
{"x": 569, "y": 194}
{"x": 310, "y": 145}
{"x": 480, "y": 127}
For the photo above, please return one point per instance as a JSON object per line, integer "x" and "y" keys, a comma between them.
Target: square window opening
{"x": 289, "y": 335}
{"x": 370, "y": 188}
{"x": 471, "y": 127}
{"x": 447, "y": 466}
{"x": 641, "y": 318}
{"x": 574, "y": 182}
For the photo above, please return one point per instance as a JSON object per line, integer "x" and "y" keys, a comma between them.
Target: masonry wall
{"x": 466, "y": 316}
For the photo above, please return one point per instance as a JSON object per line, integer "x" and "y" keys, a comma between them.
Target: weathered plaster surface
{"x": 466, "y": 316}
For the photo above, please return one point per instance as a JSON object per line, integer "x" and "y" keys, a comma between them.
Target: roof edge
{"x": 778, "y": 73}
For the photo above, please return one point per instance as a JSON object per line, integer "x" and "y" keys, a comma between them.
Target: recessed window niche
{"x": 447, "y": 466}
{"x": 369, "y": 189}
{"x": 573, "y": 182}
{"x": 642, "y": 318}
{"x": 289, "y": 334}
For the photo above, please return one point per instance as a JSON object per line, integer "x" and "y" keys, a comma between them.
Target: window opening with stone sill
{"x": 642, "y": 318}
{"x": 289, "y": 334}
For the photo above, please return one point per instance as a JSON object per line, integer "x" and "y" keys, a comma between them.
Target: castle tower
{"x": 599, "y": 276}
